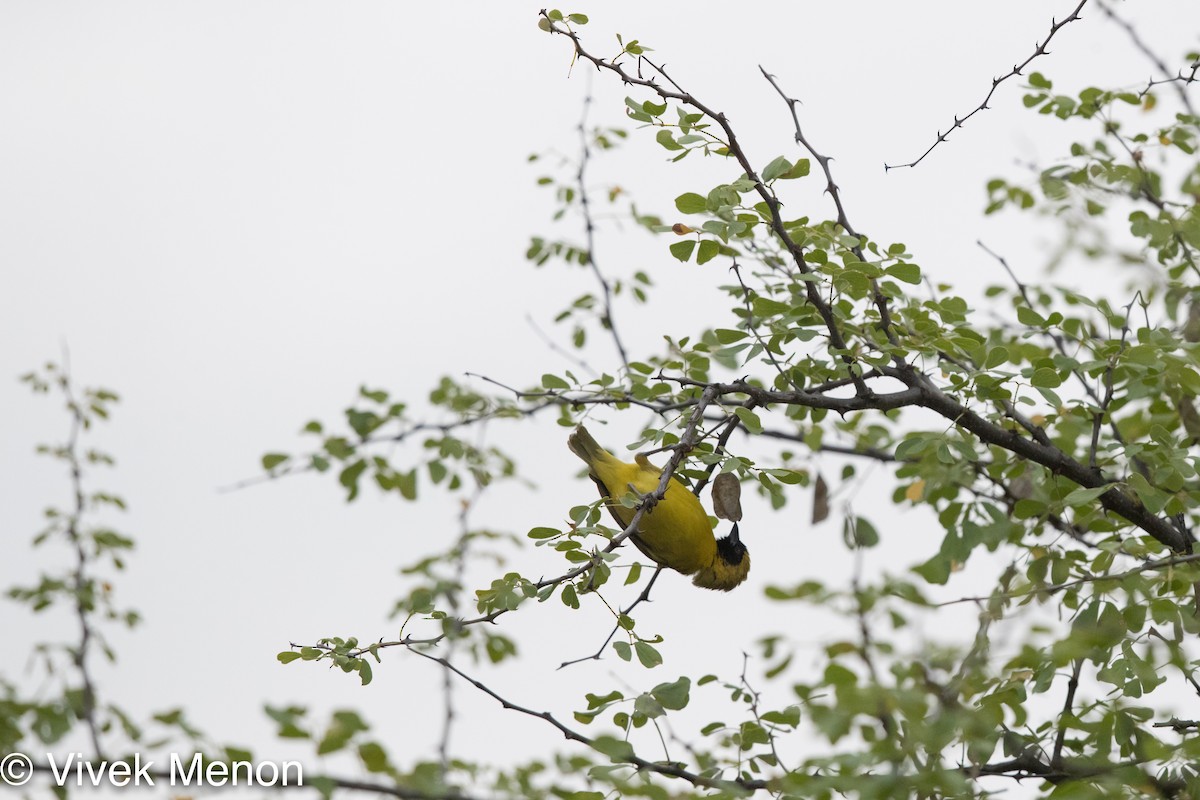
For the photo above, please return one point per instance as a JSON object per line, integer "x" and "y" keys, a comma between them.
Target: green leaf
{"x": 654, "y": 109}
{"x": 1027, "y": 316}
{"x": 616, "y": 749}
{"x": 936, "y": 570}
{"x": 683, "y": 250}
{"x": 708, "y": 251}
{"x": 288, "y": 656}
{"x": 406, "y": 484}
{"x": 858, "y": 532}
{"x": 373, "y": 756}
{"x": 908, "y": 273}
{"x": 749, "y": 419}
{"x": 647, "y": 706}
{"x": 673, "y": 695}
{"x": 665, "y": 138}
{"x": 647, "y": 654}
{"x": 323, "y": 785}
{"x": 776, "y": 168}
{"x": 551, "y": 381}
{"x": 378, "y": 395}
{"x": 788, "y": 716}
{"x": 1082, "y": 496}
{"x": 690, "y": 203}
{"x": 766, "y": 307}
{"x": 1046, "y": 378}
{"x": 798, "y": 170}
{"x": 272, "y": 460}
{"x": 729, "y": 336}
{"x": 349, "y": 478}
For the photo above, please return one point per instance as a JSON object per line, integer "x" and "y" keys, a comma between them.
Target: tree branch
{"x": 1054, "y": 588}
{"x": 1040, "y": 50}
{"x": 1178, "y": 79}
{"x": 82, "y": 586}
{"x": 401, "y": 792}
{"x": 668, "y": 770}
{"x": 1146, "y": 189}
{"x": 641, "y": 598}
{"x": 680, "y": 450}
{"x": 881, "y": 303}
{"x": 922, "y": 393}
{"x": 836, "y": 338}
{"x": 1061, "y": 737}
{"x": 590, "y": 228}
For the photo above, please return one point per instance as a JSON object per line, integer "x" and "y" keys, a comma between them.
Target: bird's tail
{"x": 583, "y": 445}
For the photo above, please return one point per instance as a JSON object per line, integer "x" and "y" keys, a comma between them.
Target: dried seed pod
{"x": 820, "y": 500}
{"x": 1191, "y": 328}
{"x": 727, "y": 497}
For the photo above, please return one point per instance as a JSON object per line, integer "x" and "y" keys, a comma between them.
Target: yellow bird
{"x": 675, "y": 533}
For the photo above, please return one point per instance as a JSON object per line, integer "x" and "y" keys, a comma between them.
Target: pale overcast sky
{"x": 235, "y": 213}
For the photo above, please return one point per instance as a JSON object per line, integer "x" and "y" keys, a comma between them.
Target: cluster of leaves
{"x": 448, "y": 460}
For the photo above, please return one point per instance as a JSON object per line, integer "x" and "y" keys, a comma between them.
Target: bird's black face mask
{"x": 730, "y": 549}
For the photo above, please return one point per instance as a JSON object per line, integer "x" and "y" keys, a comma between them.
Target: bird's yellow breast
{"x": 676, "y": 532}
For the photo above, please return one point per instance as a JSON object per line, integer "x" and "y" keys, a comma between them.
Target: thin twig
{"x": 753, "y": 328}
{"x": 881, "y": 303}
{"x": 1192, "y": 77}
{"x": 667, "y": 770}
{"x": 866, "y": 642}
{"x": 82, "y": 586}
{"x": 1178, "y": 725}
{"x": 1054, "y": 588}
{"x": 555, "y": 347}
{"x": 1146, "y": 189}
{"x": 1040, "y": 50}
{"x": 755, "y": 699}
{"x": 1106, "y": 402}
{"x": 168, "y": 775}
{"x": 642, "y": 597}
{"x": 590, "y": 229}
{"x": 1178, "y": 80}
{"x": 1177, "y": 651}
{"x": 647, "y": 501}
{"x": 795, "y": 251}
{"x": 460, "y": 567}
{"x": 1061, "y": 737}
{"x": 1055, "y": 337}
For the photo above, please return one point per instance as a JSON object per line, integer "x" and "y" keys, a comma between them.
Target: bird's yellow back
{"x": 676, "y": 533}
